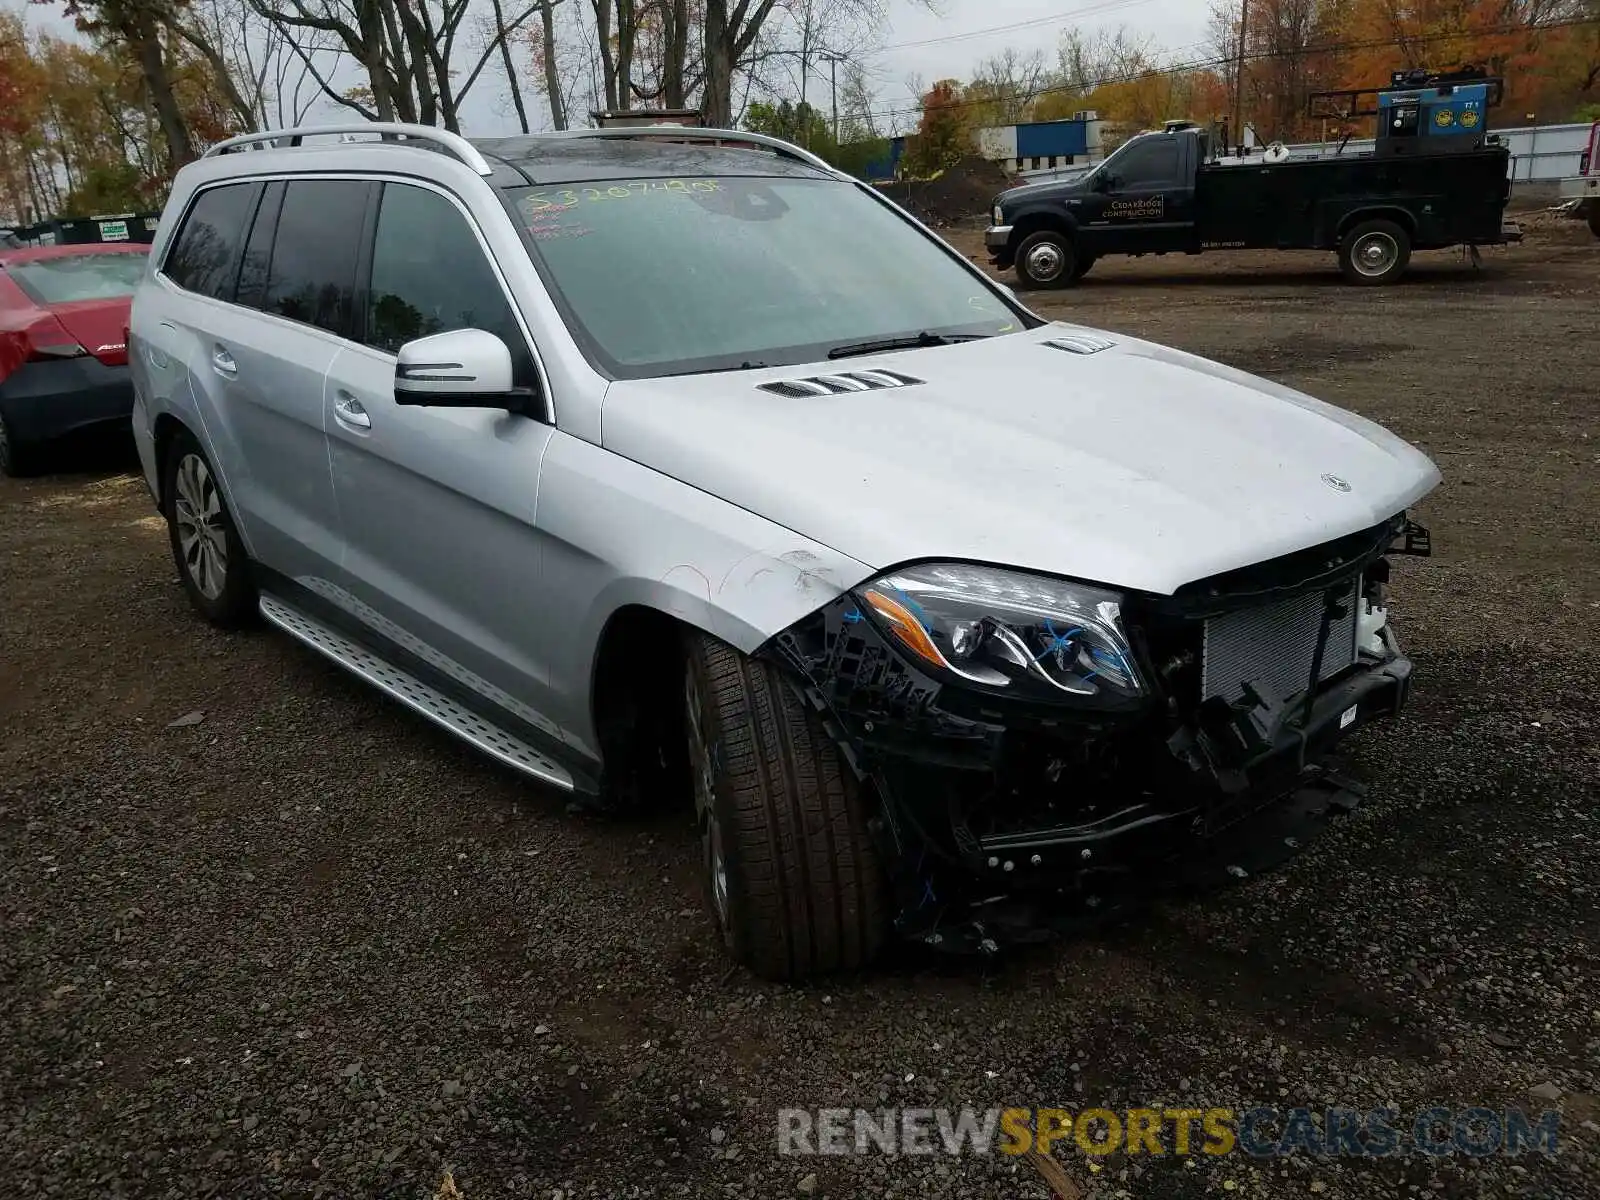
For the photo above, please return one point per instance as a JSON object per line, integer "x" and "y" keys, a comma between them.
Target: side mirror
{"x": 464, "y": 368}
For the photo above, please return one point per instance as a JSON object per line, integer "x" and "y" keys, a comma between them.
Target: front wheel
{"x": 794, "y": 881}
{"x": 1594, "y": 217}
{"x": 1047, "y": 259}
{"x": 1374, "y": 253}
{"x": 206, "y": 546}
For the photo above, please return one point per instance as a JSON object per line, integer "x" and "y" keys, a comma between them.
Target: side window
{"x": 430, "y": 275}
{"x": 258, "y": 250}
{"x": 205, "y": 255}
{"x": 1153, "y": 161}
{"x": 312, "y": 275}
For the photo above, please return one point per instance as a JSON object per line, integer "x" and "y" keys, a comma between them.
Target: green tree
{"x": 798, "y": 123}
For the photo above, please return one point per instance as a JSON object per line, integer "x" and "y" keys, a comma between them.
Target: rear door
{"x": 261, "y": 343}
{"x": 442, "y": 555}
{"x": 296, "y": 300}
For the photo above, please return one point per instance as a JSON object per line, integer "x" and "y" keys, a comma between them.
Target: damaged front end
{"x": 1047, "y": 752}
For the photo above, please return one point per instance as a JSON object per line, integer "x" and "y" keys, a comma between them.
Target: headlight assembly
{"x": 1002, "y": 632}
{"x": 999, "y": 215}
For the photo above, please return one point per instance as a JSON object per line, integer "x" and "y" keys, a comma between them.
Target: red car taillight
{"x": 41, "y": 351}
{"x": 43, "y": 341}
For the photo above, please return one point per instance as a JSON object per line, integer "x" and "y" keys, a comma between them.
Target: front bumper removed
{"x": 1011, "y": 824}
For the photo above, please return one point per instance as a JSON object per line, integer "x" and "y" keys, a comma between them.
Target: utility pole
{"x": 833, "y": 58}
{"x": 1238, "y": 79}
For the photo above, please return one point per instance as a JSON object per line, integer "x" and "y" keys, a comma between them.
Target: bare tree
{"x": 255, "y": 68}
{"x": 1085, "y": 63}
{"x": 407, "y": 48}
{"x": 1009, "y": 83}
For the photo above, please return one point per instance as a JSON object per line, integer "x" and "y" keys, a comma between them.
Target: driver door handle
{"x": 348, "y": 410}
{"x": 222, "y": 362}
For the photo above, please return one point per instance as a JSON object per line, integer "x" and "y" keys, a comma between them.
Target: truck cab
{"x": 1139, "y": 200}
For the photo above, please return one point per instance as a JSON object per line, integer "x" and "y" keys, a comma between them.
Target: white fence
{"x": 1538, "y": 153}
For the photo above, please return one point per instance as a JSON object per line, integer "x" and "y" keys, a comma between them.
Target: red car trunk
{"x": 55, "y": 298}
{"x": 97, "y": 326}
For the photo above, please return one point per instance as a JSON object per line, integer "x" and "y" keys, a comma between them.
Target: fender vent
{"x": 833, "y": 385}
{"x": 1080, "y": 343}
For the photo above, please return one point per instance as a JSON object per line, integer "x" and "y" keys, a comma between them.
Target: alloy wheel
{"x": 197, "y": 507}
{"x": 702, "y": 766}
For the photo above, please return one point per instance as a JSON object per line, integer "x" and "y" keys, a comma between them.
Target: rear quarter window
{"x": 205, "y": 255}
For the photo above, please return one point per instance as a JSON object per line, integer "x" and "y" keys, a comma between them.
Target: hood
{"x": 1135, "y": 466}
{"x": 1045, "y": 190}
{"x": 100, "y": 326}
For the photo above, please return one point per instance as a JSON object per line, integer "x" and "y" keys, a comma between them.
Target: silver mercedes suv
{"x": 665, "y": 463}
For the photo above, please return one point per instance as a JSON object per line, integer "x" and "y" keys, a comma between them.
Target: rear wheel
{"x": 205, "y": 542}
{"x": 794, "y": 881}
{"x": 1374, "y": 253}
{"x": 16, "y": 458}
{"x": 1046, "y": 259}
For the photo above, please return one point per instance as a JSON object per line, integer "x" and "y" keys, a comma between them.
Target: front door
{"x": 441, "y": 554}
{"x": 1143, "y": 198}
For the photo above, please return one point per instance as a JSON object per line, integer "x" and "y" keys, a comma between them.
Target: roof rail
{"x": 695, "y": 133}
{"x": 452, "y": 143}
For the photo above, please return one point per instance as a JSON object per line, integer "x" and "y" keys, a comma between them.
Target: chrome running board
{"x": 399, "y": 684}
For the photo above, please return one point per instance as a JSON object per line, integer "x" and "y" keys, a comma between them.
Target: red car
{"x": 63, "y": 343}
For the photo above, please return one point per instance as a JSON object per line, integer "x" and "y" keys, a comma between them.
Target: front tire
{"x": 1374, "y": 253}
{"x": 794, "y": 881}
{"x": 1594, "y": 217}
{"x": 1047, "y": 259}
{"x": 206, "y": 547}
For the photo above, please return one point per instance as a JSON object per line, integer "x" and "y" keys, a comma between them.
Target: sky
{"x": 946, "y": 41}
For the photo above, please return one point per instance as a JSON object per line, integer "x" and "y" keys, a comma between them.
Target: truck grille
{"x": 1273, "y": 645}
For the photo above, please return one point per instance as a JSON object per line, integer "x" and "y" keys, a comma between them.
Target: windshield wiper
{"x": 744, "y": 366}
{"x": 914, "y": 342}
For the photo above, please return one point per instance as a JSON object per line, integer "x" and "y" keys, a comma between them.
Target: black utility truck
{"x": 1434, "y": 179}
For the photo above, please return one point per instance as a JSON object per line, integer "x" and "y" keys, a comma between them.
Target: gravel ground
{"x": 306, "y": 945}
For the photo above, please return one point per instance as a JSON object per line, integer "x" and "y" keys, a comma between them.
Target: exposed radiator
{"x": 1274, "y": 645}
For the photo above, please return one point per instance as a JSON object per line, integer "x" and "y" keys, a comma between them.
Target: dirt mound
{"x": 959, "y": 198}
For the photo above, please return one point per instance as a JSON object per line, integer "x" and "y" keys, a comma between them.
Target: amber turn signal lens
{"x": 904, "y": 624}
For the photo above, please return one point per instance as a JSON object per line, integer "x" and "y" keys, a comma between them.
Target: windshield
{"x": 79, "y": 277}
{"x": 672, "y": 276}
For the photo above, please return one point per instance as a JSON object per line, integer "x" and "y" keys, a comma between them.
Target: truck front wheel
{"x": 1374, "y": 253}
{"x": 1047, "y": 259}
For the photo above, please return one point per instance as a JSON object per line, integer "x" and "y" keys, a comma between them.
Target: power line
{"x": 1092, "y": 10}
{"x": 1089, "y": 85}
